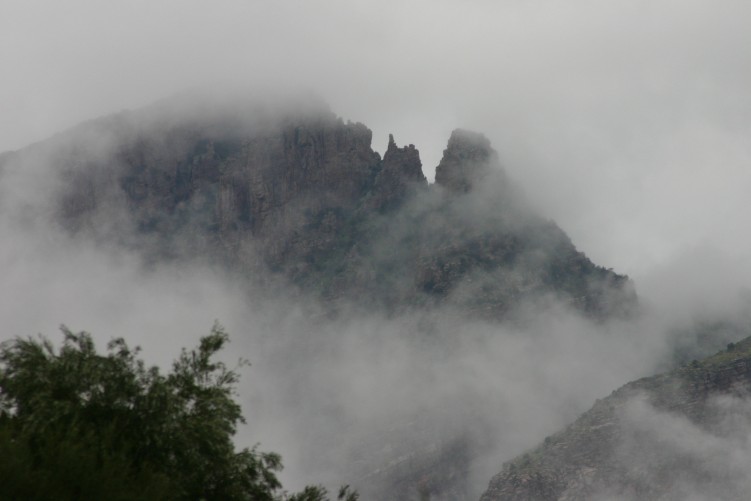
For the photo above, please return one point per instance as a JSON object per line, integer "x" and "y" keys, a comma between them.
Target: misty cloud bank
{"x": 339, "y": 397}
{"x": 629, "y": 111}
{"x": 626, "y": 122}
{"x": 697, "y": 462}
{"x": 336, "y": 398}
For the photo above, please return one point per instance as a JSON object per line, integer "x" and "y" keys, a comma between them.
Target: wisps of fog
{"x": 668, "y": 455}
{"x": 338, "y": 398}
{"x": 627, "y": 122}
{"x": 635, "y": 112}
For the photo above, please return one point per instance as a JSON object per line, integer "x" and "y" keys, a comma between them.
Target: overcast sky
{"x": 628, "y": 121}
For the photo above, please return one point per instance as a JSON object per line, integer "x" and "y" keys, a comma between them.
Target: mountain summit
{"x": 467, "y": 160}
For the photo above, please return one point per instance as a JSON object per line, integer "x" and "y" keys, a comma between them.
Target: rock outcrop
{"x": 400, "y": 176}
{"x": 466, "y": 162}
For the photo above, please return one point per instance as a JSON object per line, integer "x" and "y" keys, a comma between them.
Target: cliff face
{"x": 301, "y": 196}
{"x": 680, "y": 435}
{"x": 224, "y": 182}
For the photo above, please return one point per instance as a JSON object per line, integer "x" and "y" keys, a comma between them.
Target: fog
{"x": 626, "y": 122}
{"x": 627, "y": 112}
{"x": 704, "y": 462}
{"x": 337, "y": 398}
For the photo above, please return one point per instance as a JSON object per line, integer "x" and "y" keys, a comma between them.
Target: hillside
{"x": 678, "y": 435}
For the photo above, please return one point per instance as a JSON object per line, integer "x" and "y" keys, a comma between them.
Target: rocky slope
{"x": 292, "y": 193}
{"x": 679, "y": 435}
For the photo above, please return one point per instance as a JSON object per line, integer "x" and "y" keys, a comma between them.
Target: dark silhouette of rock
{"x": 400, "y": 175}
{"x": 290, "y": 191}
{"x": 466, "y": 161}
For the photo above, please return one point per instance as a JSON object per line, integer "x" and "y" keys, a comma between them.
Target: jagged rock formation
{"x": 679, "y": 435}
{"x": 300, "y": 195}
{"x": 466, "y": 162}
{"x": 400, "y": 174}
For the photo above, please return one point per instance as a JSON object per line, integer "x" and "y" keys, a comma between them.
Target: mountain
{"x": 678, "y": 435}
{"x": 288, "y": 193}
{"x": 287, "y": 197}
{"x": 291, "y": 199}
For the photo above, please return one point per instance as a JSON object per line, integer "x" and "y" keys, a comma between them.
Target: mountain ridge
{"x": 303, "y": 194}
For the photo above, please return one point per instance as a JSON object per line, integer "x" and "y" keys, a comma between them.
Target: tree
{"x": 75, "y": 424}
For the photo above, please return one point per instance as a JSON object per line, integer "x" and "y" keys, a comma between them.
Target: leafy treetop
{"x": 75, "y": 424}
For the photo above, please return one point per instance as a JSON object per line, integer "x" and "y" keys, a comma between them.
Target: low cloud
{"x": 342, "y": 397}
{"x": 671, "y": 456}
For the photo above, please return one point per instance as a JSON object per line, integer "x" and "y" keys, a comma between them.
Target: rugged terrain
{"x": 293, "y": 194}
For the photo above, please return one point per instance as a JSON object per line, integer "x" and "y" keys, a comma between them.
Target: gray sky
{"x": 628, "y": 121}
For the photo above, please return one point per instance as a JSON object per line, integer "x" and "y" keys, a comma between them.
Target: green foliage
{"x": 75, "y": 424}
{"x": 318, "y": 493}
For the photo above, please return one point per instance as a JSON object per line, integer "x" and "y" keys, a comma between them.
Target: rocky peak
{"x": 466, "y": 161}
{"x": 401, "y": 170}
{"x": 403, "y": 162}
